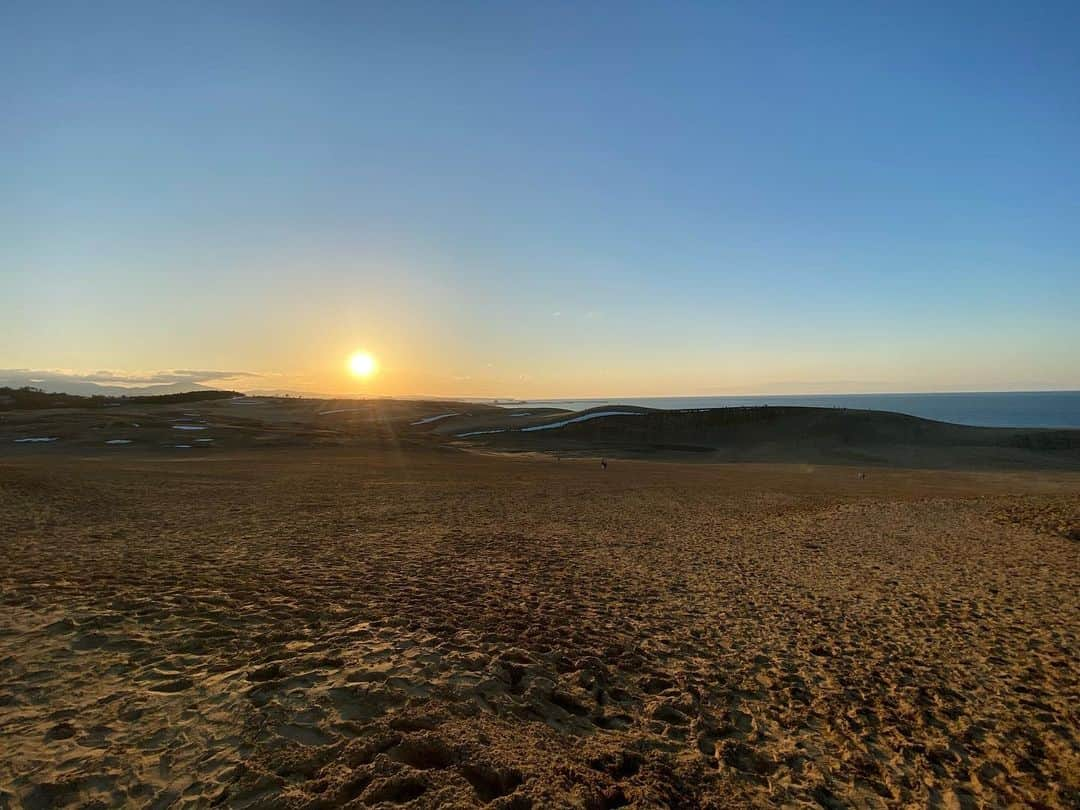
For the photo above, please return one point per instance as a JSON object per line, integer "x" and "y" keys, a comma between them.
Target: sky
{"x": 543, "y": 199}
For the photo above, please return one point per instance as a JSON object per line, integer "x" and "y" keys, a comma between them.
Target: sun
{"x": 363, "y": 365}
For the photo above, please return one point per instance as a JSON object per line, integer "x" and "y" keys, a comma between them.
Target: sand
{"x": 421, "y": 627}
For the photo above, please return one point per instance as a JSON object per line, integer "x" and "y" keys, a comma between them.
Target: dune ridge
{"x": 821, "y": 435}
{"x": 725, "y": 435}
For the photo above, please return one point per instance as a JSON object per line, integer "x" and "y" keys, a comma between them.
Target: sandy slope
{"x": 724, "y": 435}
{"x": 778, "y": 434}
{"x": 421, "y": 627}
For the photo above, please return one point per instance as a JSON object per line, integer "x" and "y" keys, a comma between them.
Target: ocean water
{"x": 1045, "y": 409}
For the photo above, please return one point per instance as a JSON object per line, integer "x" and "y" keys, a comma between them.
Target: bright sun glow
{"x": 362, "y": 365}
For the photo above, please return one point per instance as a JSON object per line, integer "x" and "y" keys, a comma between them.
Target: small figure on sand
{"x": 603, "y": 463}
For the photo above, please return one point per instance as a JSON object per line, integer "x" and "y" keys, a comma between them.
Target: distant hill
{"x": 28, "y": 398}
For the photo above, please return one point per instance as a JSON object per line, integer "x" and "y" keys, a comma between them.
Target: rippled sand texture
{"x": 429, "y": 628}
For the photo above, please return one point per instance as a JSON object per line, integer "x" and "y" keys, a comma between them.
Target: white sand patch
{"x": 189, "y": 427}
{"x": 582, "y": 418}
{"x": 118, "y": 441}
{"x": 482, "y": 432}
{"x": 527, "y": 413}
{"x": 182, "y": 446}
{"x": 427, "y": 419}
{"x": 37, "y": 439}
{"x": 203, "y": 440}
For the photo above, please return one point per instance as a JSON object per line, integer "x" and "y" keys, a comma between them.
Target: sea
{"x": 1027, "y": 409}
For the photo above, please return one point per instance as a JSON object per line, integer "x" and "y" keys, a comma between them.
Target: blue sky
{"x": 545, "y": 199}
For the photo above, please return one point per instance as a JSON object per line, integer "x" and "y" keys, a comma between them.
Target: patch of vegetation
{"x": 28, "y": 398}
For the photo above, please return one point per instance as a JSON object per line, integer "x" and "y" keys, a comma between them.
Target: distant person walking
{"x": 603, "y": 463}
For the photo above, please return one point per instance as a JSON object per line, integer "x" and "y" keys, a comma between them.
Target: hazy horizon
{"x": 542, "y": 202}
{"x": 111, "y": 383}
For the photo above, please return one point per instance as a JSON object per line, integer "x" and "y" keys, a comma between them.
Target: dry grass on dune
{"x": 425, "y": 628}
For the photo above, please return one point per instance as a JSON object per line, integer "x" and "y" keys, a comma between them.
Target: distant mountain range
{"x": 71, "y": 384}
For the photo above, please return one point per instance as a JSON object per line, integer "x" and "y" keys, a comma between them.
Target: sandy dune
{"x": 718, "y": 435}
{"x": 778, "y": 434}
{"x": 422, "y": 627}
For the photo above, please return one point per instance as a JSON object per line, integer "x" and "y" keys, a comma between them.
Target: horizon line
{"x": 510, "y": 399}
